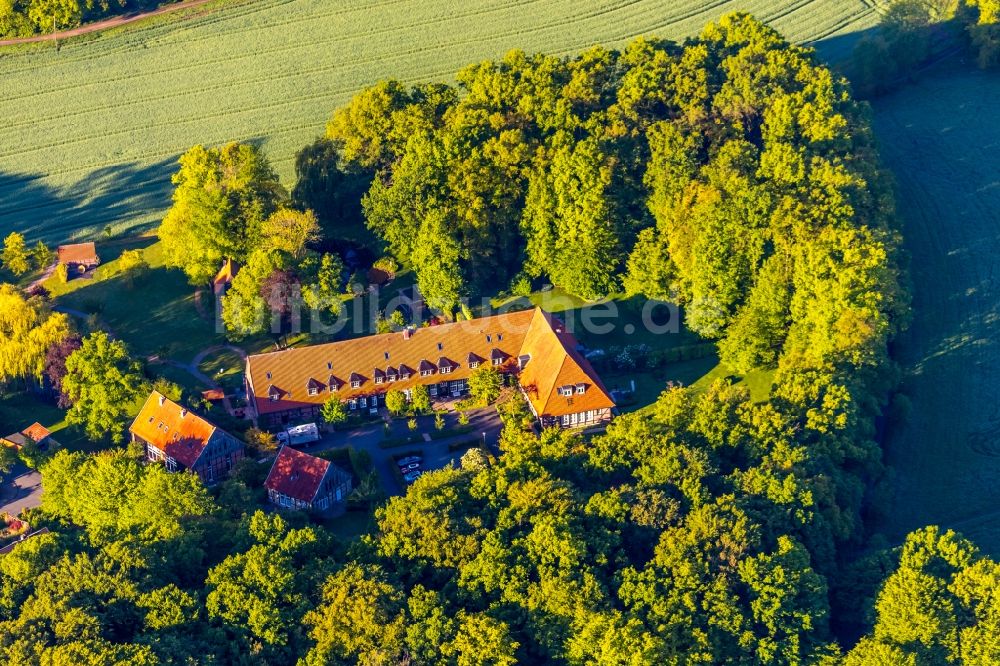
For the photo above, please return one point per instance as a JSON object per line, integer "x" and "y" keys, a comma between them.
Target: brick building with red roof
{"x": 298, "y": 480}
{"x": 530, "y": 346}
{"x": 182, "y": 440}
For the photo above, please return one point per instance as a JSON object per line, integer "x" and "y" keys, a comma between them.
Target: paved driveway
{"x": 435, "y": 452}
{"x": 21, "y": 489}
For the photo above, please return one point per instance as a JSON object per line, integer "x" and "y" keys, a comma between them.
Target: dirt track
{"x": 102, "y": 25}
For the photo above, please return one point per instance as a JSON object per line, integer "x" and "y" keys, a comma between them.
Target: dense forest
{"x": 732, "y": 174}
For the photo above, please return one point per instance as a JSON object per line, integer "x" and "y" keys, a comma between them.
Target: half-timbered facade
{"x": 300, "y": 481}
{"x": 184, "y": 441}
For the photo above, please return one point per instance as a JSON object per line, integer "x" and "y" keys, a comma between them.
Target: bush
{"x": 62, "y": 273}
{"x": 387, "y": 264}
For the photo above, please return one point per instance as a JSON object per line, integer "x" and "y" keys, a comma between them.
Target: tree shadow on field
{"x": 123, "y": 196}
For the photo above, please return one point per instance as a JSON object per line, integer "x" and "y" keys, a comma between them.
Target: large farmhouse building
{"x": 530, "y": 346}
{"x": 182, "y": 440}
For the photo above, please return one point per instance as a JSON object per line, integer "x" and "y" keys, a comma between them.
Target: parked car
{"x": 409, "y": 460}
{"x": 409, "y": 468}
{"x": 410, "y": 477}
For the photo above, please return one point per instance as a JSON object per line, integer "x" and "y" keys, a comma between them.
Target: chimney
{"x": 407, "y": 333}
{"x": 163, "y": 399}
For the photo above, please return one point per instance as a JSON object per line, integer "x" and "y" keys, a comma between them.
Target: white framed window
{"x": 352, "y": 403}
{"x": 473, "y": 364}
{"x": 356, "y": 384}
{"x": 566, "y": 391}
{"x": 565, "y": 419}
{"x": 426, "y": 373}
{"x": 580, "y": 389}
{"x": 313, "y": 390}
{"x": 274, "y": 397}
{"x": 497, "y": 361}
{"x": 363, "y": 402}
{"x": 378, "y": 380}
{"x": 445, "y": 369}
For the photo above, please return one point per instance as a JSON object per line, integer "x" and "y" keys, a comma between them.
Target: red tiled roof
{"x": 296, "y": 474}
{"x": 79, "y": 253}
{"x": 176, "y": 431}
{"x": 36, "y": 431}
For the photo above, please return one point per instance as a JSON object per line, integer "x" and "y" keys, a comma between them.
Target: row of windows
{"x": 313, "y": 389}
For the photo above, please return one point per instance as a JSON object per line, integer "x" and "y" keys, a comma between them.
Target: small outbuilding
{"x": 224, "y": 278}
{"x": 79, "y": 257}
{"x": 298, "y": 480}
{"x": 36, "y": 433}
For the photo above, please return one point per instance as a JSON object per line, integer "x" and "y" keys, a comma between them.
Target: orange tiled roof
{"x": 555, "y": 364}
{"x": 176, "y": 431}
{"x": 79, "y": 253}
{"x": 296, "y": 474}
{"x": 288, "y": 374}
{"x": 228, "y": 271}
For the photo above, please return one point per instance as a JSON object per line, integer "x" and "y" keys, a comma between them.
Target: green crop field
{"x": 92, "y": 129}
{"x": 939, "y": 139}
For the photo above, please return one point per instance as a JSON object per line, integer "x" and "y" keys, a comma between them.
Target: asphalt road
{"x": 435, "y": 452}
{"x": 21, "y": 489}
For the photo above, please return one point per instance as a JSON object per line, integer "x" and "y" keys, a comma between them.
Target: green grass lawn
{"x": 93, "y": 126}
{"x": 156, "y": 315}
{"x": 936, "y": 137}
{"x": 19, "y": 410}
{"x": 225, "y": 367}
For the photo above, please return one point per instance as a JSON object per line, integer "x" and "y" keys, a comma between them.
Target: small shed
{"x": 79, "y": 257}
{"x": 224, "y": 278}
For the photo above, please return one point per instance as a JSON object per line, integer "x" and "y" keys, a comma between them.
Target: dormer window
{"x": 489, "y": 338}
{"x": 387, "y": 356}
{"x": 426, "y": 368}
{"x": 356, "y": 384}
{"x": 405, "y": 371}
{"x": 566, "y": 391}
{"x": 581, "y": 389}
{"x": 313, "y": 387}
{"x": 329, "y": 365}
{"x": 334, "y": 383}
{"x": 312, "y": 390}
{"x": 379, "y": 376}
{"x": 497, "y": 356}
{"x": 273, "y": 393}
{"x": 391, "y": 374}
{"x": 473, "y": 364}
{"x": 356, "y": 380}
